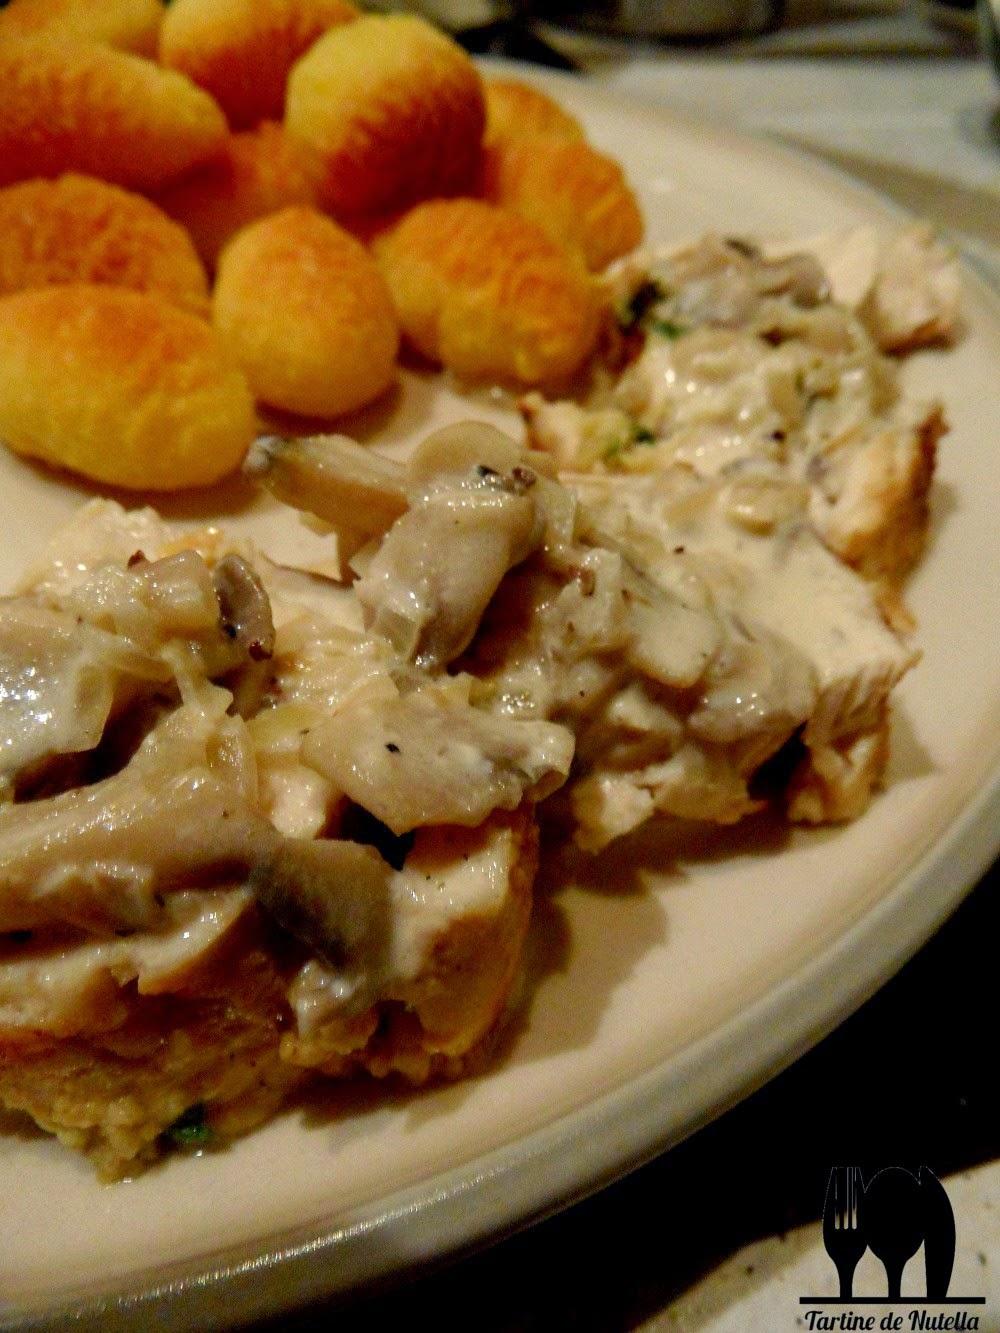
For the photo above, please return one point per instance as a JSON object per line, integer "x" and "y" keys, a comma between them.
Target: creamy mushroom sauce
{"x": 642, "y": 636}
{"x": 736, "y": 365}
{"x": 649, "y": 647}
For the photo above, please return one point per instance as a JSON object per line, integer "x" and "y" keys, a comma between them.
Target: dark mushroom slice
{"x": 331, "y": 894}
{"x": 244, "y": 607}
{"x": 245, "y": 618}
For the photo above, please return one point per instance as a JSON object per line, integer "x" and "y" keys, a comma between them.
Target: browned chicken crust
{"x": 112, "y": 1092}
{"x": 891, "y": 483}
{"x": 224, "y": 1042}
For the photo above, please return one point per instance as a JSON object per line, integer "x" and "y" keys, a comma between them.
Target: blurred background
{"x": 700, "y": 19}
{"x": 900, "y": 93}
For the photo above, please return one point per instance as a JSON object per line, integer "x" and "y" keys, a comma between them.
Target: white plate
{"x": 669, "y": 988}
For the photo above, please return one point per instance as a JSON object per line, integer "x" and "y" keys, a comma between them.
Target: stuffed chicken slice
{"x": 209, "y": 911}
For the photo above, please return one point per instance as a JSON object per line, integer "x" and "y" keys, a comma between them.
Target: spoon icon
{"x": 939, "y": 1234}
{"x": 894, "y": 1224}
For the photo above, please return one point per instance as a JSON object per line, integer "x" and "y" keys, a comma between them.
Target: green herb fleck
{"x": 631, "y": 313}
{"x": 636, "y": 435}
{"x": 667, "y": 328}
{"x": 190, "y": 1130}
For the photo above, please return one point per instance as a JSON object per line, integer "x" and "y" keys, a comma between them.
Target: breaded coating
{"x": 241, "y": 51}
{"x": 78, "y": 106}
{"x": 395, "y": 110}
{"x": 129, "y": 25}
{"x": 78, "y": 229}
{"x": 224, "y": 1046}
{"x": 487, "y": 294}
{"x": 113, "y": 1091}
{"x": 303, "y": 309}
{"x": 878, "y": 521}
{"x": 835, "y": 782}
{"x": 515, "y": 110}
{"x": 575, "y": 194}
{"x": 262, "y": 171}
{"x": 120, "y": 386}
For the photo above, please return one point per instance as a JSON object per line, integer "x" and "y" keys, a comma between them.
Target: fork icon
{"x": 843, "y": 1233}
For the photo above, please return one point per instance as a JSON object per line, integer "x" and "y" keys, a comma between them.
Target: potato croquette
{"x": 575, "y": 194}
{"x": 262, "y": 171}
{"x": 121, "y": 387}
{"x": 78, "y": 229}
{"x": 515, "y": 110}
{"x": 488, "y": 294}
{"x": 78, "y": 106}
{"x": 303, "y": 309}
{"x": 241, "y": 51}
{"x": 394, "y": 109}
{"x": 129, "y": 25}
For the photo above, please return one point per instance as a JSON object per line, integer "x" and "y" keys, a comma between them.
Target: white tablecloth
{"x": 925, "y": 130}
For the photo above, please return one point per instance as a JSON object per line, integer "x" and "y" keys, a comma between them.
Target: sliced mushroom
{"x": 244, "y": 606}
{"x": 60, "y": 681}
{"x": 150, "y": 601}
{"x": 71, "y": 662}
{"x": 459, "y": 448}
{"x": 97, "y": 857}
{"x": 245, "y": 611}
{"x": 416, "y": 761}
{"x": 432, "y": 578}
{"x": 154, "y": 603}
{"x": 722, "y": 282}
{"x": 331, "y": 894}
{"x": 352, "y": 488}
{"x": 102, "y": 858}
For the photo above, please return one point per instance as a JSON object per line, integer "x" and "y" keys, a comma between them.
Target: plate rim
{"x": 575, "y": 1155}
{"x": 585, "y": 1149}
